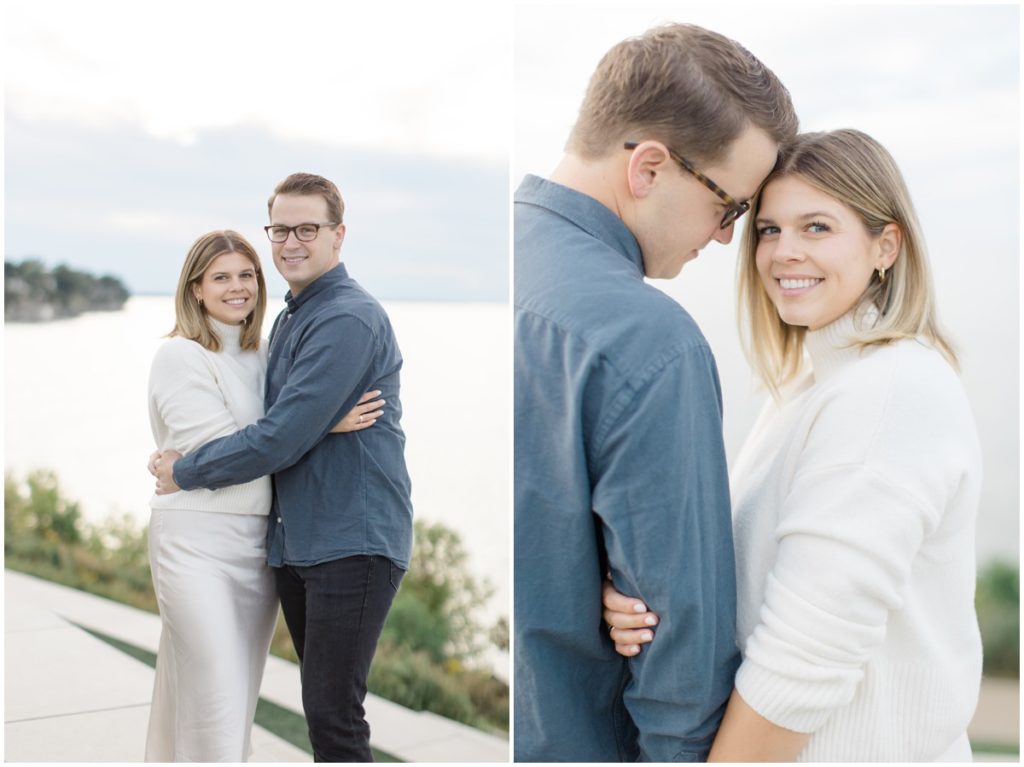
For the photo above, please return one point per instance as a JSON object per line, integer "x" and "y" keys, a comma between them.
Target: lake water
{"x": 75, "y": 401}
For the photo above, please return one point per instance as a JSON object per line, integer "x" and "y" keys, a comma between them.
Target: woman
{"x": 216, "y": 595}
{"x": 855, "y": 496}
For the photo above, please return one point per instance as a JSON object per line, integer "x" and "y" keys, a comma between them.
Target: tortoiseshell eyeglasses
{"x": 733, "y": 210}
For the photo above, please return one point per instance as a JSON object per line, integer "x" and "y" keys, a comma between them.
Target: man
{"x": 619, "y": 461}
{"x": 340, "y": 530}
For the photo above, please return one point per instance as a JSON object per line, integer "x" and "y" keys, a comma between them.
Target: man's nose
{"x": 724, "y": 236}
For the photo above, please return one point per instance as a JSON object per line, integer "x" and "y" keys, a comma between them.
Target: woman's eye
{"x": 766, "y": 231}
{"x": 817, "y": 227}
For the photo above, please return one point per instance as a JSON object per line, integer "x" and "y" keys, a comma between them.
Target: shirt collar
{"x": 585, "y": 212}
{"x": 334, "y": 276}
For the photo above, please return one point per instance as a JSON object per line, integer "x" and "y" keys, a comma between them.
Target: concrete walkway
{"x": 69, "y": 696}
{"x": 997, "y": 718}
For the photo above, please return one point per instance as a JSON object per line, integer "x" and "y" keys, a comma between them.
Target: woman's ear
{"x": 889, "y": 242}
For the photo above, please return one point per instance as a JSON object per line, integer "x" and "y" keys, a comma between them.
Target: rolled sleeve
{"x": 663, "y": 500}
{"x": 329, "y": 373}
{"x": 846, "y": 547}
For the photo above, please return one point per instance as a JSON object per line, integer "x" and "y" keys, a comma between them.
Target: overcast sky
{"x": 132, "y": 128}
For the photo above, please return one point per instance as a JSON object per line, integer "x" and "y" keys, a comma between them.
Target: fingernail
{"x": 647, "y": 635}
{"x": 634, "y": 649}
{"x": 640, "y": 607}
{"x": 650, "y": 620}
{"x": 383, "y": 401}
{"x": 376, "y": 392}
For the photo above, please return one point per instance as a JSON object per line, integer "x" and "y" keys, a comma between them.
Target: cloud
{"x": 123, "y": 201}
{"x": 426, "y": 78}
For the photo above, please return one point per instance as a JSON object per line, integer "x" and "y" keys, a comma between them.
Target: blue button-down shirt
{"x": 620, "y": 467}
{"x": 335, "y": 495}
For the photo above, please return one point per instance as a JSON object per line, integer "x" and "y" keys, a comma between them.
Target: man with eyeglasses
{"x": 619, "y": 461}
{"x": 340, "y": 530}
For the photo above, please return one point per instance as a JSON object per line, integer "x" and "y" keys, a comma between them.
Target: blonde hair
{"x": 856, "y": 170}
{"x": 190, "y": 318}
{"x": 689, "y": 87}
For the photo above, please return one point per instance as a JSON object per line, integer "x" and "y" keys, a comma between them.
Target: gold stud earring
{"x": 881, "y": 274}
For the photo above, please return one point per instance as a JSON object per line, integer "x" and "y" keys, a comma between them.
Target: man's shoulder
{"x": 644, "y": 336}
{"x": 625, "y": 314}
{"x": 348, "y": 304}
{"x": 348, "y": 298}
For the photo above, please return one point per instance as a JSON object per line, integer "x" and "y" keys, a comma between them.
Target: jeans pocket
{"x": 397, "y": 573}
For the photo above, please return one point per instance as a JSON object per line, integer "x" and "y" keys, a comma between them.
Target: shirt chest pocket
{"x": 278, "y": 366}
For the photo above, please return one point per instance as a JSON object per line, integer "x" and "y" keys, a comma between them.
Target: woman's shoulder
{"x": 924, "y": 402}
{"x": 178, "y": 347}
{"x": 176, "y": 355}
{"x": 893, "y": 391}
{"x": 916, "y": 370}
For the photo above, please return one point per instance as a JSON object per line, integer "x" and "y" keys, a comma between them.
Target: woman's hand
{"x": 362, "y": 416}
{"x": 630, "y": 621}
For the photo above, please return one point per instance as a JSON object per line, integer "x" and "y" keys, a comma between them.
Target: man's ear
{"x": 649, "y": 160}
{"x": 339, "y": 237}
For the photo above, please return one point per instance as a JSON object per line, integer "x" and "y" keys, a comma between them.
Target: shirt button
{"x": 278, "y": 520}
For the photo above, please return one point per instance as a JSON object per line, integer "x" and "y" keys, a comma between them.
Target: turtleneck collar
{"x": 230, "y": 335}
{"x": 830, "y": 347}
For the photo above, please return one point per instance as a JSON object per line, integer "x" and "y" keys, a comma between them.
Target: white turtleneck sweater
{"x": 854, "y": 505}
{"x": 195, "y": 396}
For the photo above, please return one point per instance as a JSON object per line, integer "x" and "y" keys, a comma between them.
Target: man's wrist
{"x": 181, "y": 475}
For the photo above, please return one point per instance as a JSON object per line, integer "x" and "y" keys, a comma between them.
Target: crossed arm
{"x": 362, "y": 416}
{"x": 329, "y": 370}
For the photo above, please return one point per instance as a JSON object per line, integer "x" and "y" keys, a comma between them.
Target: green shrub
{"x": 427, "y": 648}
{"x": 998, "y": 603}
{"x": 413, "y": 679}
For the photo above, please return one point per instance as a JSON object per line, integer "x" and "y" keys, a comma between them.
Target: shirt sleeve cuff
{"x": 185, "y": 475}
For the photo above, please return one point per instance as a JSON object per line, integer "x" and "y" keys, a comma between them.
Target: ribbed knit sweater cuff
{"x": 800, "y": 705}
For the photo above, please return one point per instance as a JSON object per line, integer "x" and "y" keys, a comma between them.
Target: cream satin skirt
{"x": 218, "y": 607}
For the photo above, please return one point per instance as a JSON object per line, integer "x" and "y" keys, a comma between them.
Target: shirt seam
{"x": 632, "y": 387}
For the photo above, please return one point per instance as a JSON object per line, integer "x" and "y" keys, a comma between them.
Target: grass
{"x": 283, "y": 722}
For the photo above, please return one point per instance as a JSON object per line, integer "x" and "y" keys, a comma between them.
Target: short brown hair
{"x": 190, "y": 319}
{"x": 312, "y": 184}
{"x": 856, "y": 170}
{"x": 693, "y": 89}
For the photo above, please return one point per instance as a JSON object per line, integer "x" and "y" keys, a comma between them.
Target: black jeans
{"x": 335, "y": 612}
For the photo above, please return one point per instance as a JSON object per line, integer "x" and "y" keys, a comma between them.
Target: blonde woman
{"x": 217, "y": 599}
{"x": 855, "y": 495}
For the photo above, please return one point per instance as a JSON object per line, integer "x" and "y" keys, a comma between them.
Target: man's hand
{"x": 162, "y": 467}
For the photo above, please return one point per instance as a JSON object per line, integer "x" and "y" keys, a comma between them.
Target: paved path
{"x": 997, "y": 719}
{"x": 69, "y": 696}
